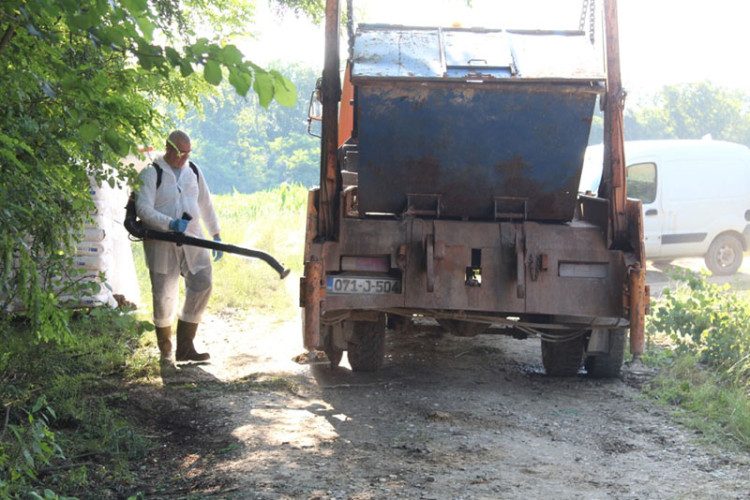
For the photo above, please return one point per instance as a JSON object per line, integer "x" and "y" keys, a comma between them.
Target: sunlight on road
{"x": 298, "y": 427}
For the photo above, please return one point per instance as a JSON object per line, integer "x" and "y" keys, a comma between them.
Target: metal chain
{"x": 588, "y": 7}
{"x": 584, "y": 10}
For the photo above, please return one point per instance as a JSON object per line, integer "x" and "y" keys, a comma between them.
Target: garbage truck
{"x": 450, "y": 164}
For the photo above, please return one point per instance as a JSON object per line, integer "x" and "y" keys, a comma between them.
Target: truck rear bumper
{"x": 477, "y": 270}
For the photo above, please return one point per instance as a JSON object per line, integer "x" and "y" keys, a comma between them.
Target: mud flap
{"x": 598, "y": 343}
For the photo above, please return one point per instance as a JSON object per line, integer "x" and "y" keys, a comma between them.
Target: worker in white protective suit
{"x": 174, "y": 196}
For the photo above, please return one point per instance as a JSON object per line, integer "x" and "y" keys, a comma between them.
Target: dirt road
{"x": 446, "y": 418}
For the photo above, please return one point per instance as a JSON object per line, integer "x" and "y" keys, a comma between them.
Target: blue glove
{"x": 179, "y": 225}
{"x": 217, "y": 254}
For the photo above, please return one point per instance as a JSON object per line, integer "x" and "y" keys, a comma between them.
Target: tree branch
{"x": 6, "y": 38}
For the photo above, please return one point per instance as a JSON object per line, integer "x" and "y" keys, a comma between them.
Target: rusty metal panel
{"x": 361, "y": 237}
{"x": 460, "y": 245}
{"x": 581, "y": 278}
{"x": 397, "y": 52}
{"x": 472, "y": 144}
{"x": 565, "y": 269}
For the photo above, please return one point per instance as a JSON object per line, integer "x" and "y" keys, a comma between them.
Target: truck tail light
{"x": 371, "y": 264}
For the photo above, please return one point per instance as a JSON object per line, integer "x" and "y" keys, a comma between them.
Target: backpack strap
{"x": 195, "y": 170}
{"x": 158, "y": 174}
{"x": 159, "y": 171}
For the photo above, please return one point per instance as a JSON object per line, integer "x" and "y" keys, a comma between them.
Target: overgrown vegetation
{"x": 699, "y": 336}
{"x": 61, "y": 429}
{"x": 243, "y": 147}
{"x": 82, "y": 84}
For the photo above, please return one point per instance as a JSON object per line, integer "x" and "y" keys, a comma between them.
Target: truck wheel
{"x": 609, "y": 365}
{"x": 724, "y": 255}
{"x": 366, "y": 349}
{"x": 562, "y": 359}
{"x": 334, "y": 355}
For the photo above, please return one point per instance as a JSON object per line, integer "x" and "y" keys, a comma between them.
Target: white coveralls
{"x": 166, "y": 261}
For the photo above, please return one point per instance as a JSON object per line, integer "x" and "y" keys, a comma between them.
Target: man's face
{"x": 177, "y": 153}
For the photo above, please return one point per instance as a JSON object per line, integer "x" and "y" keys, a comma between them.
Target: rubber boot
{"x": 185, "y": 349}
{"x": 164, "y": 341}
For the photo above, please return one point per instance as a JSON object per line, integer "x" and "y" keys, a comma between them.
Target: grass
{"x": 716, "y": 408}
{"x": 61, "y": 403}
{"x": 697, "y": 338}
{"x": 63, "y": 430}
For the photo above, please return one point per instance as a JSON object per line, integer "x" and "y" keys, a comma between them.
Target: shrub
{"x": 707, "y": 320}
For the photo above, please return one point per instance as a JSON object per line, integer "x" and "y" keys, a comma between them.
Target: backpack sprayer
{"x": 136, "y": 228}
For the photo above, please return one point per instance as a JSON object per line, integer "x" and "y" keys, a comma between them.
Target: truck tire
{"x": 562, "y": 359}
{"x": 724, "y": 255}
{"x": 334, "y": 355}
{"x": 609, "y": 365}
{"x": 366, "y": 349}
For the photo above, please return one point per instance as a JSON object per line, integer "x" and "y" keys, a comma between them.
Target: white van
{"x": 695, "y": 194}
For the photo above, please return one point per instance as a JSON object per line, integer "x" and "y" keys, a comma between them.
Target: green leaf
{"x": 173, "y": 56}
{"x": 231, "y": 55}
{"x": 240, "y": 80}
{"x": 199, "y": 47}
{"x": 117, "y": 143}
{"x": 263, "y": 86}
{"x": 283, "y": 90}
{"x": 146, "y": 27}
{"x": 212, "y": 72}
{"x": 113, "y": 35}
{"x": 135, "y": 5}
{"x": 83, "y": 21}
{"x": 186, "y": 69}
{"x": 38, "y": 405}
{"x": 146, "y": 61}
{"x": 89, "y": 131}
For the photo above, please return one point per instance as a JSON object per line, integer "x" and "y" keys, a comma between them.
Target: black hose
{"x": 136, "y": 229}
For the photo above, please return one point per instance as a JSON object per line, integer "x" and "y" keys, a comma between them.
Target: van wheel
{"x": 366, "y": 349}
{"x": 724, "y": 255}
{"x": 562, "y": 359}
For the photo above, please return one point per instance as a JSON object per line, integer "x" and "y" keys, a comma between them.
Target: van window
{"x": 642, "y": 182}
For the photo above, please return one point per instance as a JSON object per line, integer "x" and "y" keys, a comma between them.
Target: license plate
{"x": 362, "y": 285}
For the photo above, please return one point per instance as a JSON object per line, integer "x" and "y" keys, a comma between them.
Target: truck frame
{"x": 450, "y": 163}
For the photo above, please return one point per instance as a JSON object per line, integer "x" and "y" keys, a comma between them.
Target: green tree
{"x": 80, "y": 85}
{"x": 241, "y": 146}
{"x": 691, "y": 111}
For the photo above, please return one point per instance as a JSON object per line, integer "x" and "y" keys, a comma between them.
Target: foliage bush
{"x": 708, "y": 321}
{"x": 61, "y": 421}
{"x": 699, "y": 337}
{"x": 82, "y": 85}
